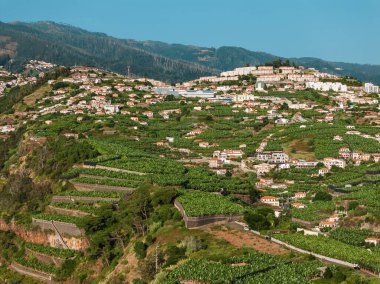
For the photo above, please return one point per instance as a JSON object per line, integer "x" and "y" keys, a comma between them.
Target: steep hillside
{"x": 67, "y": 45}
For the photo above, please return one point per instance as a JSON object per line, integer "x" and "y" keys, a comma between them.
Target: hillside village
{"x": 289, "y": 153}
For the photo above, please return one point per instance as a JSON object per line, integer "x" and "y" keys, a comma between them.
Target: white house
{"x": 374, "y": 241}
{"x": 215, "y": 163}
{"x": 298, "y": 205}
{"x": 299, "y": 195}
{"x": 323, "y": 171}
{"x": 327, "y": 224}
{"x": 271, "y": 200}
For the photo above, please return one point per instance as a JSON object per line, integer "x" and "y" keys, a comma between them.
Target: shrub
{"x": 353, "y": 205}
{"x": 322, "y": 196}
{"x": 140, "y": 249}
{"x": 328, "y": 273}
{"x": 257, "y": 221}
{"x": 174, "y": 254}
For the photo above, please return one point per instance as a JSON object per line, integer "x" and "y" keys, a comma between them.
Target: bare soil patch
{"x": 241, "y": 238}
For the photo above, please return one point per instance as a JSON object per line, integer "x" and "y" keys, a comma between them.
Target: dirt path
{"x": 242, "y": 238}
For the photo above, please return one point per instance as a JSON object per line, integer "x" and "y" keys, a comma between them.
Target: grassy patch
{"x": 300, "y": 149}
{"x": 38, "y": 94}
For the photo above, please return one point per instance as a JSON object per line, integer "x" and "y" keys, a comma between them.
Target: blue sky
{"x": 338, "y": 30}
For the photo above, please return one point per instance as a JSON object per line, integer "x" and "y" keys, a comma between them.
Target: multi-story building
{"x": 301, "y": 78}
{"x": 299, "y": 195}
{"x": 345, "y": 153}
{"x": 263, "y": 168}
{"x": 371, "y": 88}
{"x": 239, "y": 71}
{"x": 274, "y": 157}
{"x": 329, "y": 162}
{"x": 228, "y": 154}
{"x": 301, "y": 164}
{"x": 278, "y": 158}
{"x": 215, "y": 162}
{"x": 287, "y": 69}
{"x": 327, "y": 86}
{"x": 270, "y": 78}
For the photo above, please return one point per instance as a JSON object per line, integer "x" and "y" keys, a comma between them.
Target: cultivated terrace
{"x": 110, "y": 179}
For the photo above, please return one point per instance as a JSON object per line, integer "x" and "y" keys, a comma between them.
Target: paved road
{"x": 240, "y": 226}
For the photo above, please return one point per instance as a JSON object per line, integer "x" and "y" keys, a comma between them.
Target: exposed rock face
{"x": 43, "y": 238}
{"x": 37, "y": 237}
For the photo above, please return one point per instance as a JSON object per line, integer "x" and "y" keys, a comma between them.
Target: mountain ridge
{"x": 69, "y": 45}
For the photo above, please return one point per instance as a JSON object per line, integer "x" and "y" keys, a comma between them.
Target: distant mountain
{"x": 67, "y": 45}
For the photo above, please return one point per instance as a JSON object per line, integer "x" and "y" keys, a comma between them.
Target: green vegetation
{"x": 110, "y": 182}
{"x": 262, "y": 218}
{"x": 17, "y": 93}
{"x": 62, "y": 253}
{"x": 314, "y": 211}
{"x": 103, "y": 194}
{"x": 256, "y": 268}
{"x": 333, "y": 248}
{"x": 347, "y": 80}
{"x": 197, "y": 203}
{"x": 354, "y": 237}
{"x": 37, "y": 265}
{"x": 112, "y": 228}
{"x": 59, "y": 154}
{"x": 56, "y": 152}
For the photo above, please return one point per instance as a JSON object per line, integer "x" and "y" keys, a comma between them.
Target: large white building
{"x": 243, "y": 97}
{"x": 239, "y": 71}
{"x": 196, "y": 93}
{"x": 303, "y": 78}
{"x": 327, "y": 86}
{"x": 287, "y": 69}
{"x": 274, "y": 157}
{"x": 261, "y": 70}
{"x": 371, "y": 88}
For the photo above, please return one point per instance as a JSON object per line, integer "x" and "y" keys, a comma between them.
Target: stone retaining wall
{"x": 305, "y": 223}
{"x": 99, "y": 177}
{"x": 62, "y": 198}
{"x": 114, "y": 169}
{"x": 101, "y": 187}
{"x": 195, "y": 222}
{"x": 46, "y": 277}
{"x": 63, "y": 227}
{"x": 66, "y": 211}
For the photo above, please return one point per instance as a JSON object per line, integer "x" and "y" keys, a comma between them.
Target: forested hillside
{"x": 67, "y": 45}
